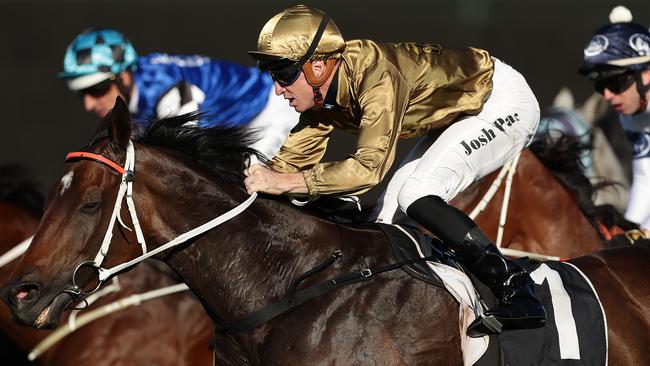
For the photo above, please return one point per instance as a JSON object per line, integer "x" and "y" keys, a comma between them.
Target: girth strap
{"x": 321, "y": 267}
{"x": 261, "y": 316}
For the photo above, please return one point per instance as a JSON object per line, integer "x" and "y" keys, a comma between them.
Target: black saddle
{"x": 409, "y": 243}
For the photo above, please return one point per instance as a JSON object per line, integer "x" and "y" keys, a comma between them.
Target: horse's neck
{"x": 238, "y": 266}
{"x": 243, "y": 264}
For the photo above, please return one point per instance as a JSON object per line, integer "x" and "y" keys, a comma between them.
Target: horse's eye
{"x": 90, "y": 207}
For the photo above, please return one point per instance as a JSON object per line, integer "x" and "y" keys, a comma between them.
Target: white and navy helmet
{"x": 96, "y": 55}
{"x": 621, "y": 45}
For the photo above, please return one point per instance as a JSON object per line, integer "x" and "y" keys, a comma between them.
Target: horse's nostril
{"x": 25, "y": 293}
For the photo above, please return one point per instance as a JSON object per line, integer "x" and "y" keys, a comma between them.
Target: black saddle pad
{"x": 575, "y": 330}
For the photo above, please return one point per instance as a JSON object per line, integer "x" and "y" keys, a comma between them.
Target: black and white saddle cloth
{"x": 575, "y": 332}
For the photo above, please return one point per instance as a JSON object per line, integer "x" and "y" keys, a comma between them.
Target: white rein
{"x": 15, "y": 252}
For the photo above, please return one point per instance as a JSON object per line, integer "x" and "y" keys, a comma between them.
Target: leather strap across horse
{"x": 261, "y": 316}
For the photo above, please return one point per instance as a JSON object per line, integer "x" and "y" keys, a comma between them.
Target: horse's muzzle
{"x": 29, "y": 306}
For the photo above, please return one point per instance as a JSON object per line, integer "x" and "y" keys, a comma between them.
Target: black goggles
{"x": 284, "y": 71}
{"x": 615, "y": 84}
{"x": 97, "y": 90}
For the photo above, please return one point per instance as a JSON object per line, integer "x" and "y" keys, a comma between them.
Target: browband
{"x": 82, "y": 155}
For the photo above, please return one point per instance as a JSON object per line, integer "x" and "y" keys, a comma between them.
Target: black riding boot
{"x": 516, "y": 306}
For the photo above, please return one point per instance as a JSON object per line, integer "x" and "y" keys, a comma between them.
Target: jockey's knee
{"x": 405, "y": 197}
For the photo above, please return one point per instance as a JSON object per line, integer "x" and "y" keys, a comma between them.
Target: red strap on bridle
{"x": 96, "y": 157}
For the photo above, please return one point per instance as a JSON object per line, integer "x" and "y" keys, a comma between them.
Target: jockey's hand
{"x": 262, "y": 179}
{"x": 646, "y": 232}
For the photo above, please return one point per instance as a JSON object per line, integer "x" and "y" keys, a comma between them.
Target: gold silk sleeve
{"x": 303, "y": 148}
{"x": 383, "y": 101}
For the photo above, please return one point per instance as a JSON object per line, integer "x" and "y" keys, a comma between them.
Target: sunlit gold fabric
{"x": 289, "y": 34}
{"x": 385, "y": 91}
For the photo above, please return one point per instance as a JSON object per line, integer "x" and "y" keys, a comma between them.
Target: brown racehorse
{"x": 179, "y": 326}
{"x": 184, "y": 177}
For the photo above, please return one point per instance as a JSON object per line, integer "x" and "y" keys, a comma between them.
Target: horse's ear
{"x": 564, "y": 99}
{"x": 119, "y": 124}
{"x": 594, "y": 108}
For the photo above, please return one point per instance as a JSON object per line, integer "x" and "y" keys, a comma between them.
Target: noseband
{"x": 126, "y": 192}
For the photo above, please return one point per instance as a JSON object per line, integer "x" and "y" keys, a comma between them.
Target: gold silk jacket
{"x": 384, "y": 92}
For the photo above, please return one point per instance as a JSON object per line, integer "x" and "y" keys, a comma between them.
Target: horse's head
{"x": 172, "y": 188}
{"x": 77, "y": 212}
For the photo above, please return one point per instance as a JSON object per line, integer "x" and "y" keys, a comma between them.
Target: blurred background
{"x": 42, "y": 121}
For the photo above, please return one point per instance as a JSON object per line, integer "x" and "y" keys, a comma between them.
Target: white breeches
{"x": 638, "y": 205}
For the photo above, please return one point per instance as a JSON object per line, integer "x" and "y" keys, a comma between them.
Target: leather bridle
{"x": 126, "y": 193}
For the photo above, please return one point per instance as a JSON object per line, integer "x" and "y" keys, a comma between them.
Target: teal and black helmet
{"x": 96, "y": 55}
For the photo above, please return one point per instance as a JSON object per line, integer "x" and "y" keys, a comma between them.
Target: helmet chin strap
{"x": 317, "y": 82}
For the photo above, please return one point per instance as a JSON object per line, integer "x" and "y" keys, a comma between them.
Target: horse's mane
{"x": 223, "y": 149}
{"x": 561, "y": 155}
{"x": 17, "y": 187}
